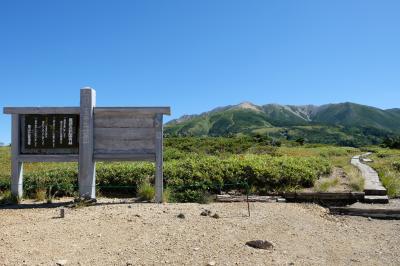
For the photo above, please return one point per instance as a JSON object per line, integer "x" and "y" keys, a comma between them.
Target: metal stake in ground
{"x": 247, "y": 197}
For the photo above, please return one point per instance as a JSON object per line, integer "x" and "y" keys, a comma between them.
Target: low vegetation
{"x": 356, "y": 181}
{"x": 387, "y": 164}
{"x": 7, "y": 198}
{"x": 195, "y": 168}
{"x": 325, "y": 184}
{"x": 146, "y": 191}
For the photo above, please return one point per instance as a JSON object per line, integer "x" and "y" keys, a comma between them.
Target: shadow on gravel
{"x": 34, "y": 205}
{"x": 67, "y": 204}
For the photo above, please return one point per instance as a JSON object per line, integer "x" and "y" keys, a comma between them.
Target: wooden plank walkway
{"x": 382, "y": 211}
{"x": 373, "y": 188}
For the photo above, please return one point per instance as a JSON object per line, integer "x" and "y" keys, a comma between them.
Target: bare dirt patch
{"x": 337, "y": 181}
{"x": 118, "y": 232}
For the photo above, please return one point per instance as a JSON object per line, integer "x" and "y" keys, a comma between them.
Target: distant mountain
{"x": 343, "y": 123}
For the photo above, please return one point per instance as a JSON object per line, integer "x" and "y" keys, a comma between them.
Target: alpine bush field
{"x": 194, "y": 168}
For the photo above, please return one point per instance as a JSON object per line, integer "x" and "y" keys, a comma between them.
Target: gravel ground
{"x": 117, "y": 232}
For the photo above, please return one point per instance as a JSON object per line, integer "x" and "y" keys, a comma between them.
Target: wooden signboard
{"x": 86, "y": 134}
{"x": 49, "y": 134}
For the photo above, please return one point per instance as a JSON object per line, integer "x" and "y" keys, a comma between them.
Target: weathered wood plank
{"x": 87, "y": 166}
{"x": 376, "y": 199}
{"x": 49, "y": 158}
{"x": 124, "y": 134}
{"x": 126, "y": 151}
{"x": 123, "y": 145}
{"x": 324, "y": 195}
{"x": 117, "y": 120}
{"x": 41, "y": 110}
{"x": 372, "y": 184}
{"x": 382, "y": 213}
{"x": 133, "y": 110}
{"x": 243, "y": 198}
{"x": 124, "y": 157}
{"x": 16, "y": 165}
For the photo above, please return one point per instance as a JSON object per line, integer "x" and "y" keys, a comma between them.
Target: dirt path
{"x": 150, "y": 234}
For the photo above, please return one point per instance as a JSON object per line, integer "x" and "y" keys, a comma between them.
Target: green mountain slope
{"x": 332, "y": 123}
{"x": 356, "y": 115}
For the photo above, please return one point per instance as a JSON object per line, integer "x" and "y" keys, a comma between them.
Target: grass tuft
{"x": 40, "y": 194}
{"x": 324, "y": 185}
{"x": 356, "y": 179}
{"x": 8, "y": 198}
{"x": 146, "y": 191}
{"x": 391, "y": 182}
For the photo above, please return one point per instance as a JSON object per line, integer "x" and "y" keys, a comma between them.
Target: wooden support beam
{"x": 41, "y": 110}
{"x": 381, "y": 213}
{"x": 133, "y": 110}
{"x": 87, "y": 166}
{"x": 16, "y": 164}
{"x": 310, "y": 196}
{"x": 159, "y": 182}
{"x": 49, "y": 158}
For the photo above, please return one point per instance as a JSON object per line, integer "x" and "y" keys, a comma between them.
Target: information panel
{"x": 50, "y": 134}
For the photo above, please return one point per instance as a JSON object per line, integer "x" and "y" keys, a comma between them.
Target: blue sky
{"x": 196, "y": 55}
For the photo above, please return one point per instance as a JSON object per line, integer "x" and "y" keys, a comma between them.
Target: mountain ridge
{"x": 350, "y": 119}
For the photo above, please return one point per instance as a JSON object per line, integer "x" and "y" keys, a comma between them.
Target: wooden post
{"x": 87, "y": 166}
{"x": 159, "y": 157}
{"x": 16, "y": 164}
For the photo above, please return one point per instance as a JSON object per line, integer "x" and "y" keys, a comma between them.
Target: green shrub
{"x": 61, "y": 180}
{"x": 191, "y": 195}
{"x": 193, "y": 176}
{"x": 123, "y": 178}
{"x": 173, "y": 154}
{"x": 189, "y": 176}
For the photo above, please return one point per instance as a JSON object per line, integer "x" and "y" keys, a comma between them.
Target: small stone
{"x": 61, "y": 262}
{"x": 196, "y": 249}
{"x": 129, "y": 206}
{"x": 369, "y": 219}
{"x": 280, "y": 200}
{"x": 211, "y": 263}
{"x": 181, "y": 216}
{"x": 137, "y": 215}
{"x": 260, "y": 244}
{"x": 129, "y": 264}
{"x": 216, "y": 216}
{"x": 205, "y": 212}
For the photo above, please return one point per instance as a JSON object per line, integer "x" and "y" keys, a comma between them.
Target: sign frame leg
{"x": 159, "y": 182}
{"x": 17, "y": 166}
{"x": 87, "y": 166}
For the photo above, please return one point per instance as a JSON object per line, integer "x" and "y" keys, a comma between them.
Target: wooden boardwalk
{"x": 373, "y": 188}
